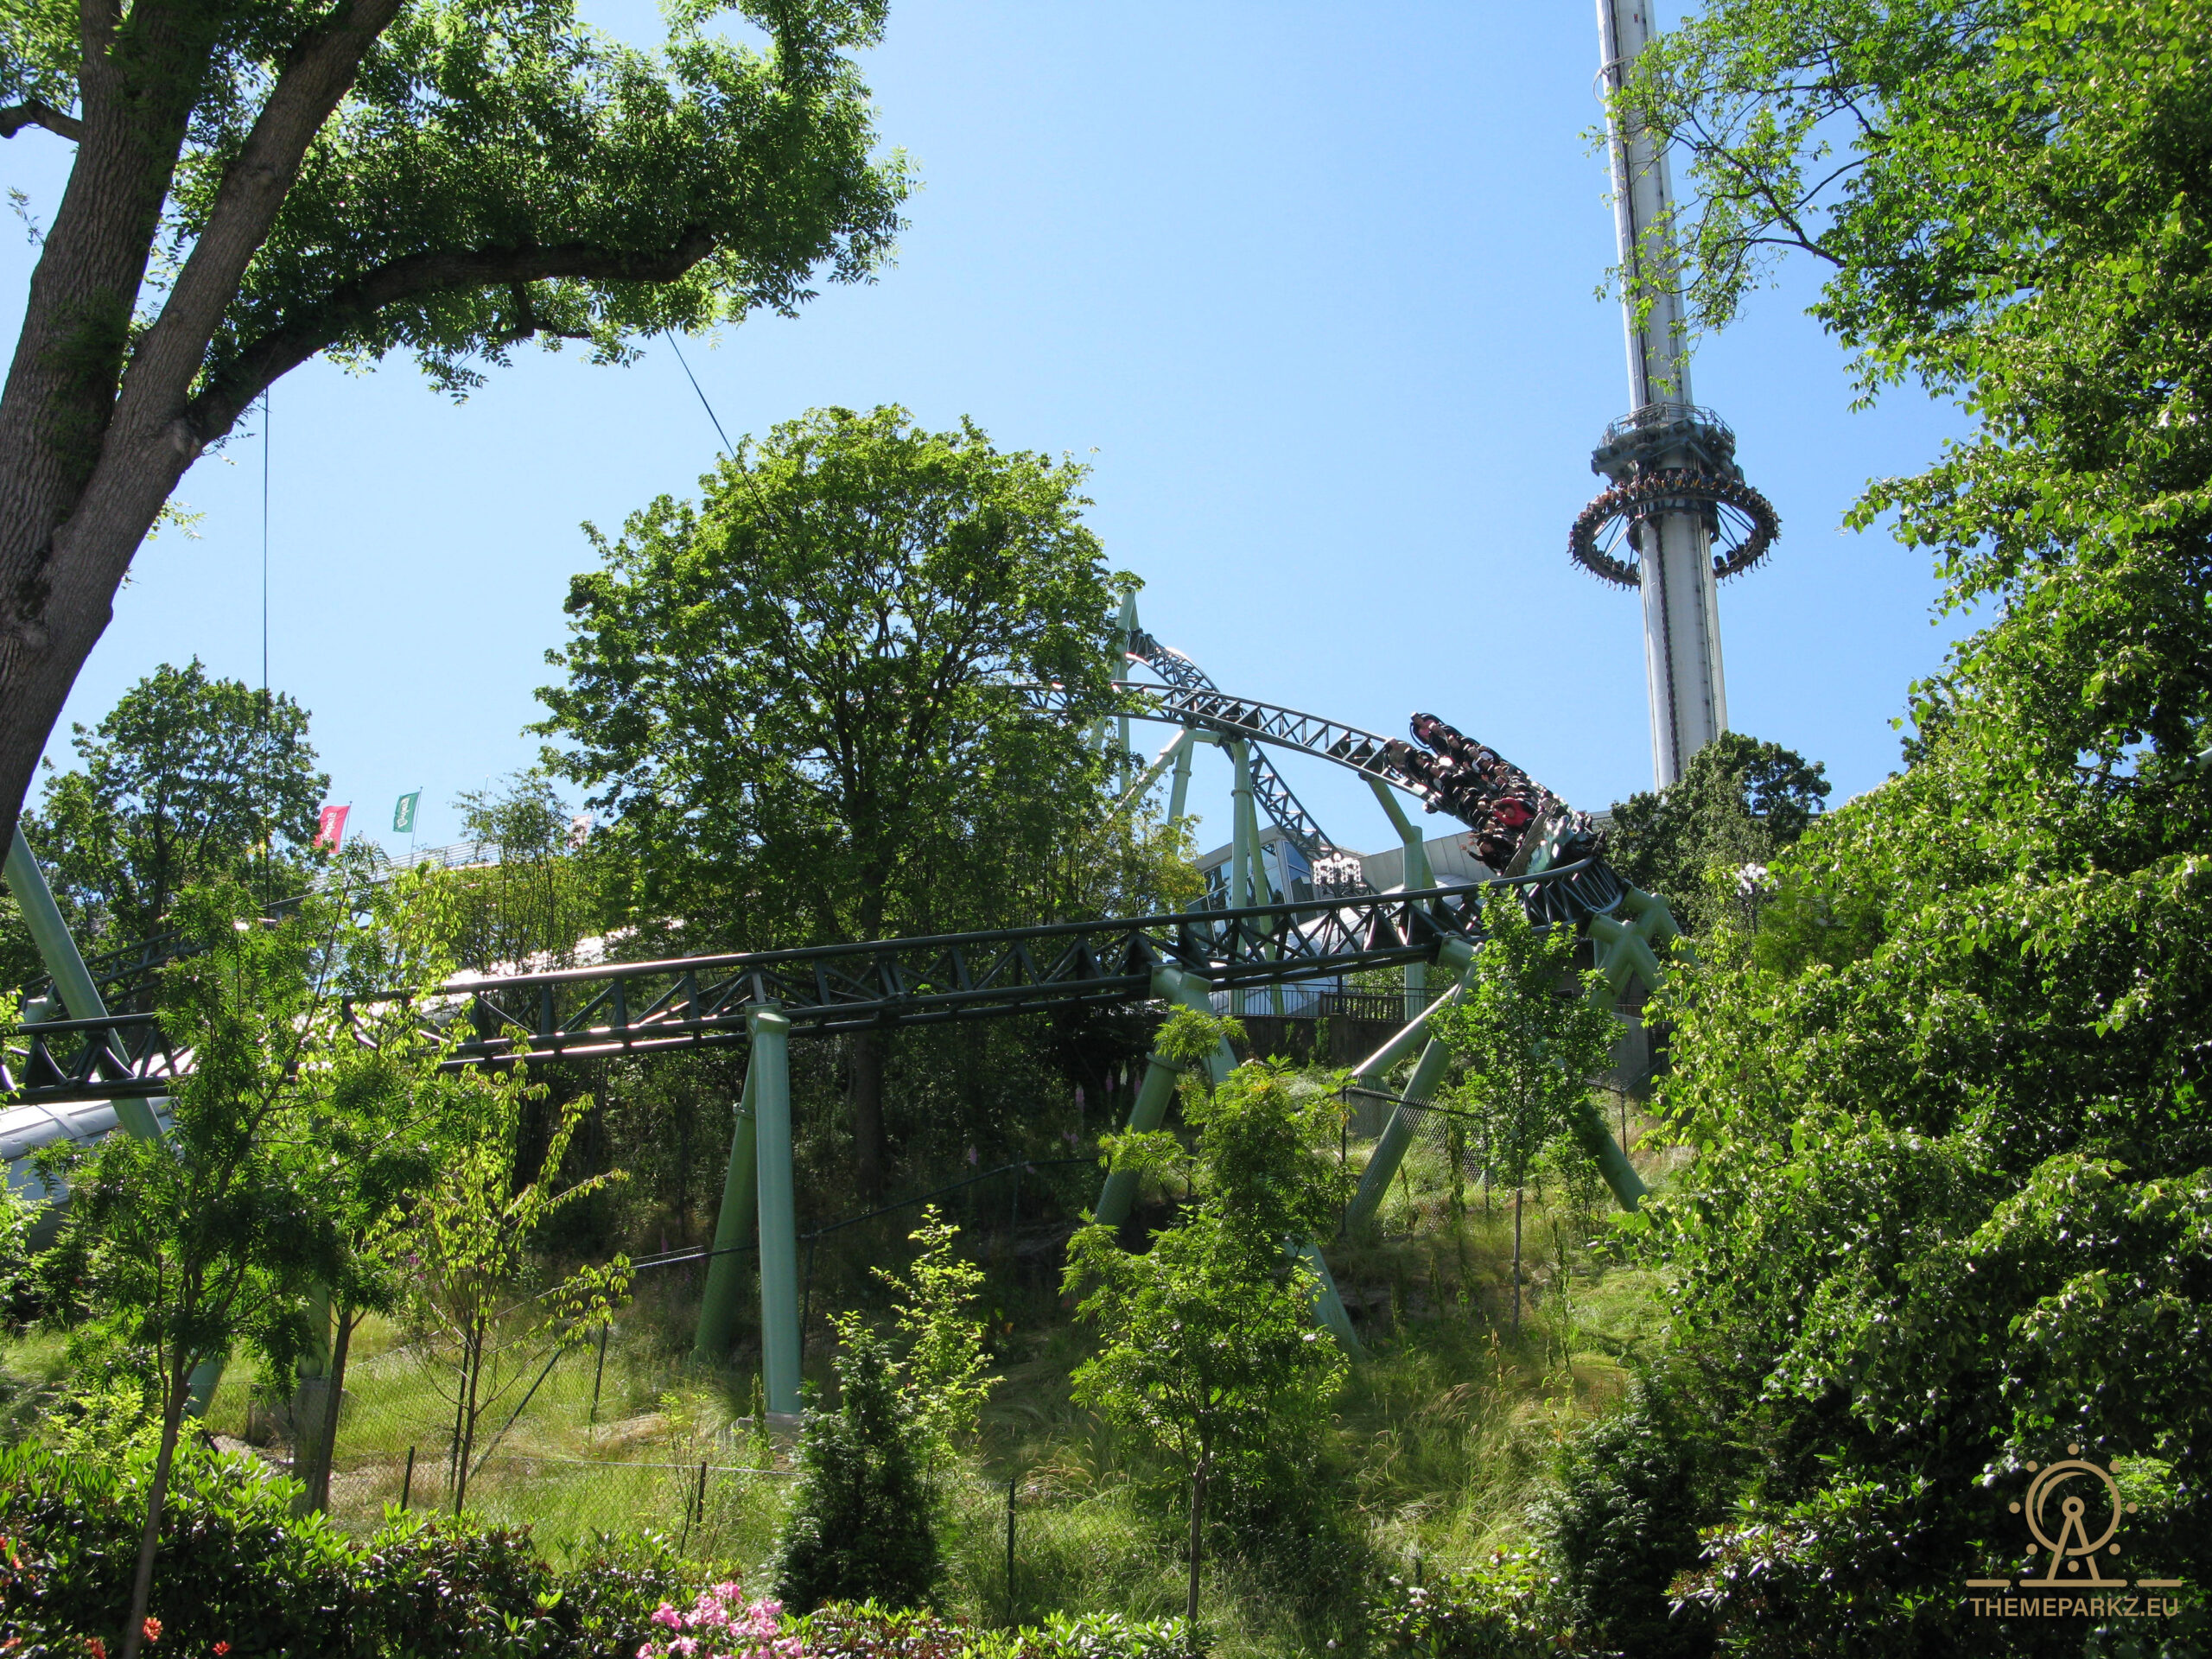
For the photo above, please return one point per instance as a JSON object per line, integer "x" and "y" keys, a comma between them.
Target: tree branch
{"x": 316, "y": 76}
{"x": 349, "y": 308}
{"x": 35, "y": 113}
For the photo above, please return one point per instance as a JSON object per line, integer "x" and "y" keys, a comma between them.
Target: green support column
{"x": 82, "y": 1001}
{"x": 733, "y": 1227}
{"x": 1428, "y": 1071}
{"x": 1328, "y": 1308}
{"x": 1176, "y": 753}
{"x": 1240, "y": 847}
{"x": 58, "y": 952}
{"x": 1179, "y": 792}
{"x": 1126, "y": 622}
{"x": 1149, "y": 1110}
{"x": 769, "y": 1074}
{"x": 1418, "y": 877}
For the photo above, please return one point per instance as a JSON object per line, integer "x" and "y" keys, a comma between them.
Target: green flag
{"x": 402, "y": 815}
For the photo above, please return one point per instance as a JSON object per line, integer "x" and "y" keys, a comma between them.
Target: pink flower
{"x": 667, "y": 1617}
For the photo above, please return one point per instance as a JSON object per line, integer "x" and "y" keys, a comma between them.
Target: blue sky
{"x": 1313, "y": 290}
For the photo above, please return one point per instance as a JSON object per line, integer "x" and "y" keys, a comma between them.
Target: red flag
{"x": 330, "y": 828}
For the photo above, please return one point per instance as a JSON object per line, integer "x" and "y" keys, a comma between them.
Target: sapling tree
{"x": 941, "y": 1376}
{"x": 386, "y": 1121}
{"x": 1531, "y": 1034}
{"x": 1208, "y": 1338}
{"x": 861, "y": 1524}
{"x": 474, "y": 1285}
{"x": 173, "y": 1251}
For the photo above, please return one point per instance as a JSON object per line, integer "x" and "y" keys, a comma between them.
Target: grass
{"x": 1442, "y": 1437}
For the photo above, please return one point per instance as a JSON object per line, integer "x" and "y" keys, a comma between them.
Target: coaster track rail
{"x": 619, "y": 1009}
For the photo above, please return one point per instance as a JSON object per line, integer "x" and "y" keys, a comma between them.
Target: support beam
{"x": 1149, "y": 1110}
{"x": 1176, "y": 752}
{"x": 1328, "y": 1308}
{"x": 58, "y": 952}
{"x": 1125, "y": 621}
{"x": 734, "y": 1227}
{"x": 1240, "y": 846}
{"x": 1179, "y": 792}
{"x": 1418, "y": 877}
{"x": 1435, "y": 1060}
{"x": 769, "y": 1077}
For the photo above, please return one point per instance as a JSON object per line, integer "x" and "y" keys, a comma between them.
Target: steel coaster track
{"x": 1366, "y": 753}
{"x": 1269, "y": 789}
{"x": 625, "y": 1008}
{"x": 1589, "y": 887}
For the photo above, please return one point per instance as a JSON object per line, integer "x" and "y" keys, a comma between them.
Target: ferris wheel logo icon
{"x": 2073, "y": 1509}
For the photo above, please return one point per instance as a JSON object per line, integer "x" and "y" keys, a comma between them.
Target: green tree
{"x": 254, "y": 185}
{"x": 535, "y": 897}
{"x": 474, "y": 1284}
{"x": 174, "y": 1250}
{"x": 187, "y": 780}
{"x": 385, "y": 1126}
{"x": 1207, "y": 1342}
{"x": 1703, "y": 842}
{"x": 796, "y": 693}
{"x": 942, "y": 1375}
{"x": 1945, "y": 1214}
{"x": 1531, "y": 1035}
{"x": 861, "y": 1524}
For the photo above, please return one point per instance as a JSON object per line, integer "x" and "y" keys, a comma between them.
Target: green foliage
{"x": 868, "y": 1631}
{"x": 1738, "y": 803}
{"x": 474, "y": 1285}
{"x": 541, "y": 893}
{"x": 1499, "y": 1609}
{"x": 942, "y": 1375}
{"x": 862, "y": 1523}
{"x": 237, "y": 1565}
{"x": 1944, "y": 1216}
{"x": 188, "y": 779}
{"x": 16, "y": 1278}
{"x": 1634, "y": 1489}
{"x": 1531, "y": 1036}
{"x": 795, "y": 692}
{"x": 677, "y": 188}
{"x": 1208, "y": 1346}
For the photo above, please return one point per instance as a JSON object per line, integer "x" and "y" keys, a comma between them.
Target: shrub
{"x": 869, "y": 1631}
{"x": 1501, "y": 1609}
{"x": 862, "y": 1523}
{"x": 720, "y": 1624}
{"x": 1634, "y": 1489}
{"x": 237, "y": 1566}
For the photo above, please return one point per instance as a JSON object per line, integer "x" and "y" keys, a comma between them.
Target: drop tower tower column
{"x": 1678, "y": 515}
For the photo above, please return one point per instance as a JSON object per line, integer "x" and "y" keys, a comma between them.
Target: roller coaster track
{"x": 1592, "y": 889}
{"x": 1271, "y": 793}
{"x": 634, "y": 1008}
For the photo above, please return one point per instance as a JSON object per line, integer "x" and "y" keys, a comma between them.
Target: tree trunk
{"x": 98, "y": 422}
{"x": 865, "y": 1056}
{"x": 142, "y": 1582}
{"x": 334, "y": 1398}
{"x": 1198, "y": 1521}
{"x": 467, "y": 1448}
{"x": 1517, "y": 1260}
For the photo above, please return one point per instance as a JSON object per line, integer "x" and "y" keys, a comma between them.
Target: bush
{"x": 236, "y": 1567}
{"x": 862, "y": 1523}
{"x": 868, "y": 1631}
{"x": 1501, "y": 1609}
{"x": 1636, "y": 1488}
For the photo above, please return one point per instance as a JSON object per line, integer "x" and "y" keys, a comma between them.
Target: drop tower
{"x": 1676, "y": 517}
